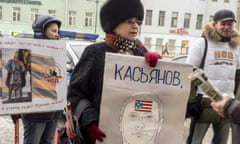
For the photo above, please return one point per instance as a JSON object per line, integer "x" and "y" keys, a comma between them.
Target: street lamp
{"x": 96, "y": 16}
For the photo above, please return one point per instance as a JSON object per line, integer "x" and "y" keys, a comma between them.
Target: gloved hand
{"x": 95, "y": 133}
{"x": 152, "y": 58}
{"x": 15, "y": 117}
{"x": 70, "y": 134}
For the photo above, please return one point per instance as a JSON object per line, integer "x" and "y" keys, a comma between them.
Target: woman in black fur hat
{"x": 120, "y": 20}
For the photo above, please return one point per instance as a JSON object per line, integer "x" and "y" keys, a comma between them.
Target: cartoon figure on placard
{"x": 17, "y": 68}
{"x": 14, "y": 80}
{"x": 52, "y": 72}
{"x": 141, "y": 119}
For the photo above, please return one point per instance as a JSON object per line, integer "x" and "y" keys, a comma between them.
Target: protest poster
{"x": 143, "y": 105}
{"x": 33, "y": 75}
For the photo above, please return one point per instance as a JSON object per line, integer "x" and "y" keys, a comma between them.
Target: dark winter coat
{"x": 87, "y": 82}
{"x": 232, "y": 110}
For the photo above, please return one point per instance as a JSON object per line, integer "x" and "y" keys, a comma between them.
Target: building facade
{"x": 16, "y": 16}
{"x": 176, "y": 24}
{"x": 168, "y": 25}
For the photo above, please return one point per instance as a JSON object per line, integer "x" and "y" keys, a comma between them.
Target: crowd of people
{"x": 121, "y": 27}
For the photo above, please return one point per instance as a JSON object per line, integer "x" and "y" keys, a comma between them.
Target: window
{"x": 16, "y": 14}
{"x": 184, "y": 47}
{"x": 148, "y": 20}
{"x": 187, "y": 18}
{"x": 52, "y": 12}
{"x": 72, "y": 18}
{"x": 14, "y": 33}
{"x": 147, "y": 42}
{"x": 161, "y": 18}
{"x": 174, "y": 19}
{"x": 34, "y": 12}
{"x": 88, "y": 19}
{"x": 199, "y": 21}
{"x": 0, "y": 12}
{"x": 211, "y": 18}
{"x": 159, "y": 46}
{"x": 171, "y": 46}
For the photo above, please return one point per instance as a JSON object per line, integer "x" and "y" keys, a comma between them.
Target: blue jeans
{"x": 220, "y": 132}
{"x": 39, "y": 132}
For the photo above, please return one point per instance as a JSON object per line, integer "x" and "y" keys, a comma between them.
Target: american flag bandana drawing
{"x": 143, "y": 105}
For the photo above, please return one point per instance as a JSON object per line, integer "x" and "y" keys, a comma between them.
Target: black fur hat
{"x": 115, "y": 12}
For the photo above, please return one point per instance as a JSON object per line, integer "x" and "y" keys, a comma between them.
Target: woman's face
{"x": 52, "y": 31}
{"x": 128, "y": 29}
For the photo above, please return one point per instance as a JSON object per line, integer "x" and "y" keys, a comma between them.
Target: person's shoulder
{"x": 199, "y": 43}
{"x": 201, "y": 40}
{"x": 235, "y": 40}
{"x": 95, "y": 46}
{"x": 94, "y": 49}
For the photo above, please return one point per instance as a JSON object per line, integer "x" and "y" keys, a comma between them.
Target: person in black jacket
{"x": 229, "y": 107}
{"x": 121, "y": 21}
{"x": 39, "y": 128}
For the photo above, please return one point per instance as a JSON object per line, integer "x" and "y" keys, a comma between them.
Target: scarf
{"x": 120, "y": 44}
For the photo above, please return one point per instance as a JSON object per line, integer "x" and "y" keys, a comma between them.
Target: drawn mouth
{"x": 138, "y": 134}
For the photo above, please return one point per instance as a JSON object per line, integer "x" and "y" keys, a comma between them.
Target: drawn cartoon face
{"x": 140, "y": 121}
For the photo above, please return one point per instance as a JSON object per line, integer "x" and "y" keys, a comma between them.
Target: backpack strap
{"x": 193, "y": 89}
{"x": 204, "y": 54}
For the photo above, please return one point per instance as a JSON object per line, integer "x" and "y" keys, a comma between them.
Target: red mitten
{"x": 95, "y": 133}
{"x": 70, "y": 134}
{"x": 152, "y": 58}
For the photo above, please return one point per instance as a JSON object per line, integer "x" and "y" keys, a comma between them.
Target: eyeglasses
{"x": 133, "y": 21}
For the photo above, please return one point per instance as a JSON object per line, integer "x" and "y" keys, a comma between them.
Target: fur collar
{"x": 210, "y": 33}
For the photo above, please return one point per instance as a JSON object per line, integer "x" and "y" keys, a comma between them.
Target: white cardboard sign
{"x": 143, "y": 105}
{"x": 33, "y": 75}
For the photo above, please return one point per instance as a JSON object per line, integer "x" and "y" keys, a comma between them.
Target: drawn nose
{"x": 140, "y": 126}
